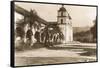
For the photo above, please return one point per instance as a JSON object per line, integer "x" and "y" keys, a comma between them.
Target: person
{"x": 48, "y": 42}
{"x": 29, "y": 34}
{"x": 37, "y": 36}
{"x": 20, "y": 32}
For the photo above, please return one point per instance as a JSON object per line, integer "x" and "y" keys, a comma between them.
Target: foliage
{"x": 50, "y": 32}
{"x": 84, "y": 36}
{"x": 94, "y": 30}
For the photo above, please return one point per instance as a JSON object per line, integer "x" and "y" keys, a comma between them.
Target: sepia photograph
{"x": 53, "y": 33}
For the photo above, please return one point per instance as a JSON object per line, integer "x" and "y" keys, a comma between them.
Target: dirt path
{"x": 49, "y": 56}
{"x": 43, "y": 52}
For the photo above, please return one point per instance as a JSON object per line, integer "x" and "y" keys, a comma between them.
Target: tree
{"x": 30, "y": 20}
{"x": 49, "y": 32}
{"x": 94, "y": 29}
{"x": 20, "y": 32}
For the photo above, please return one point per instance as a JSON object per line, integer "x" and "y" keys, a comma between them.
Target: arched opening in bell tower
{"x": 61, "y": 21}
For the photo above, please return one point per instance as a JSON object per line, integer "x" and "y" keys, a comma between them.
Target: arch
{"x": 61, "y": 21}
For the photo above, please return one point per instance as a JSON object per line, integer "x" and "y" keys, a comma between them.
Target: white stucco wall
{"x": 66, "y": 27}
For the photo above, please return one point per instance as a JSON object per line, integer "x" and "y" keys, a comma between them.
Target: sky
{"x": 82, "y": 16}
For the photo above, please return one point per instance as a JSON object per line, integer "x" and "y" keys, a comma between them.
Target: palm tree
{"x": 52, "y": 32}
{"x": 30, "y": 20}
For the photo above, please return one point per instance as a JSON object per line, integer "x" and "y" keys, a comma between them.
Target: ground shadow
{"x": 89, "y": 52}
{"x": 86, "y": 51}
{"x": 25, "y": 46}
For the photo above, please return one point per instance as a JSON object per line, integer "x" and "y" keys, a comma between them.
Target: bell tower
{"x": 65, "y": 24}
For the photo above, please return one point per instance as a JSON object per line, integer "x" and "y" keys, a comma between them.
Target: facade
{"x": 65, "y": 24}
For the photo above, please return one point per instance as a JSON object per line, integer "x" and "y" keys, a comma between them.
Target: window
{"x": 61, "y": 13}
{"x": 61, "y": 21}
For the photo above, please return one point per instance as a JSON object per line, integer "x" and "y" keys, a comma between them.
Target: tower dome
{"x": 62, "y": 9}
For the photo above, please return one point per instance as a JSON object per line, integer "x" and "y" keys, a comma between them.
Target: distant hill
{"x": 80, "y": 29}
